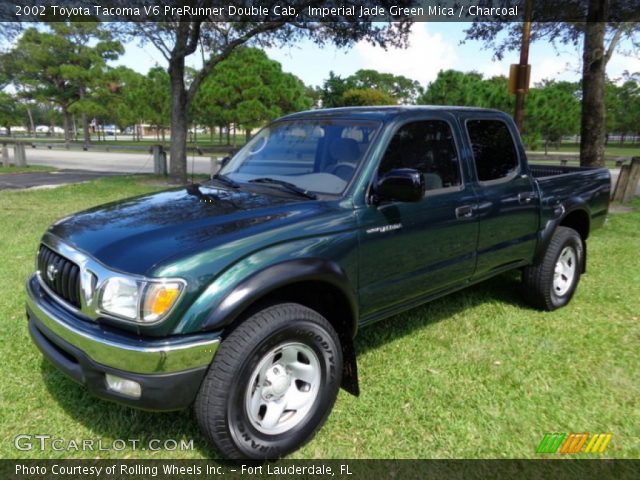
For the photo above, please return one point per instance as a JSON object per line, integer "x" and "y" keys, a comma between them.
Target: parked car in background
{"x": 49, "y": 129}
{"x": 110, "y": 130}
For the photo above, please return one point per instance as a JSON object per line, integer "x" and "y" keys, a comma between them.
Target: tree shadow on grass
{"x": 112, "y": 421}
{"x": 109, "y": 421}
{"x": 505, "y": 288}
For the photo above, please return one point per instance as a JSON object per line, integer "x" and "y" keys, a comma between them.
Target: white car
{"x": 48, "y": 129}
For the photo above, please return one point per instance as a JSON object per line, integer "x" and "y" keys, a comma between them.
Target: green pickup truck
{"x": 242, "y": 296}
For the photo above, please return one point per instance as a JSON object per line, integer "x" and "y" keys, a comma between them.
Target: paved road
{"x": 39, "y": 179}
{"x": 105, "y": 161}
{"x": 130, "y": 162}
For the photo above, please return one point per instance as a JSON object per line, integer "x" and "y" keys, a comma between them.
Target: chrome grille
{"x": 61, "y": 275}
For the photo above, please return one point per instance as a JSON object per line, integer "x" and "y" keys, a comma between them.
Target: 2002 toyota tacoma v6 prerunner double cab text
{"x": 242, "y": 296}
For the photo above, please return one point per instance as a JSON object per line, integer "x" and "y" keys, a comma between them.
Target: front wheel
{"x": 551, "y": 283}
{"x": 272, "y": 383}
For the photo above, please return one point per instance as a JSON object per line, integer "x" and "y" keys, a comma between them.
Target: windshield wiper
{"x": 226, "y": 180}
{"x": 289, "y": 186}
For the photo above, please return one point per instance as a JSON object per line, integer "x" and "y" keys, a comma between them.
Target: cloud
{"x": 550, "y": 68}
{"x": 425, "y": 55}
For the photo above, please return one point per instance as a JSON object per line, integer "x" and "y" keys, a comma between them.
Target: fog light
{"x": 123, "y": 386}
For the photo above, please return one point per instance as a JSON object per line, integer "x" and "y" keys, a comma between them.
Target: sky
{"x": 432, "y": 47}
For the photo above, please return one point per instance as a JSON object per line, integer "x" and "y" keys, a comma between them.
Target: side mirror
{"x": 223, "y": 161}
{"x": 401, "y": 184}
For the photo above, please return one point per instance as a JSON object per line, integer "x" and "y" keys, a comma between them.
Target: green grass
{"x": 28, "y": 169}
{"x": 611, "y": 149}
{"x": 477, "y": 374}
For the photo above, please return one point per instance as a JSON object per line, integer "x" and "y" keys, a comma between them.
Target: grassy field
{"x": 475, "y": 375}
{"x": 28, "y": 169}
{"x": 611, "y": 149}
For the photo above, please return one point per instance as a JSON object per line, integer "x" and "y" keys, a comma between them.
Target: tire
{"x": 551, "y": 283}
{"x": 281, "y": 357}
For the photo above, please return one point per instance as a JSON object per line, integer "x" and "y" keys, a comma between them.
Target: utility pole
{"x": 523, "y": 69}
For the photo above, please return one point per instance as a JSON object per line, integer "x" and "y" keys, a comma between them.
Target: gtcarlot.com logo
{"x": 571, "y": 443}
{"x": 47, "y": 442}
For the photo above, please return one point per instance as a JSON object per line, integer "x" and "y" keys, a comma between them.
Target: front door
{"x": 411, "y": 250}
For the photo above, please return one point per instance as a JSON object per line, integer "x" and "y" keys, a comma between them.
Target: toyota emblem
{"x": 52, "y": 272}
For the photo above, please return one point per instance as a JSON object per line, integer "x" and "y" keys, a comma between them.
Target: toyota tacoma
{"x": 241, "y": 296}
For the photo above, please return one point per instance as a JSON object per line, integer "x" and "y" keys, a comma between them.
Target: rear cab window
{"x": 494, "y": 150}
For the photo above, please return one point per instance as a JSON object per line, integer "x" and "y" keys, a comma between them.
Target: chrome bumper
{"x": 126, "y": 353}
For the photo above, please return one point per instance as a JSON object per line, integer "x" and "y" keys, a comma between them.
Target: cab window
{"x": 494, "y": 151}
{"x": 427, "y": 146}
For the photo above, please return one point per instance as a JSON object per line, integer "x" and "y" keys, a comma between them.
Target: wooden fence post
{"x": 632, "y": 181}
{"x": 5, "y": 155}
{"x": 628, "y": 179}
{"x": 20, "y": 155}
{"x": 159, "y": 160}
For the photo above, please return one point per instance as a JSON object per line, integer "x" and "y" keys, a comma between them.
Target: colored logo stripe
{"x": 550, "y": 442}
{"x": 573, "y": 443}
{"x": 598, "y": 443}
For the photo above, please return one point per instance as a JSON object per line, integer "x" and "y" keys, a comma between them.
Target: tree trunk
{"x": 179, "y": 107}
{"x": 85, "y": 130}
{"x": 592, "y": 128}
{"x": 85, "y": 121}
{"x": 31, "y": 124}
{"x": 66, "y": 124}
{"x": 247, "y": 135}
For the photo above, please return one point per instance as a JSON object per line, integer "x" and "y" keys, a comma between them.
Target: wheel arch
{"x": 318, "y": 284}
{"x": 574, "y": 215}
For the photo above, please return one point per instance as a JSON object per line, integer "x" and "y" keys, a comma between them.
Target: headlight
{"x": 138, "y": 300}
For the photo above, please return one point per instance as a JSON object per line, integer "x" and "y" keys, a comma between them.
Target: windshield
{"x": 314, "y": 155}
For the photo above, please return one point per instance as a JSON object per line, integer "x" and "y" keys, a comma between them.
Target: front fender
{"x": 275, "y": 276}
{"x": 330, "y": 259}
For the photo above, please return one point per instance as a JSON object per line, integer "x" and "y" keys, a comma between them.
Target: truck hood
{"x": 135, "y": 234}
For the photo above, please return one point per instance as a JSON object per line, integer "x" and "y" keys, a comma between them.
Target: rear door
{"x": 508, "y": 205}
{"x": 409, "y": 250}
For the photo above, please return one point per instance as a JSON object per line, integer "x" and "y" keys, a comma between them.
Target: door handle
{"x": 525, "y": 197}
{"x": 465, "y": 211}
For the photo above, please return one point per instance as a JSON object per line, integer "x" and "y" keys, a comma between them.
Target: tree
{"x": 177, "y": 40}
{"x": 125, "y": 100}
{"x": 158, "y": 94}
{"x": 452, "y": 87}
{"x": 249, "y": 89}
{"x": 402, "y": 89}
{"x": 553, "y": 112}
{"x": 367, "y": 96}
{"x": 332, "y": 91}
{"x": 397, "y": 88}
{"x": 628, "y": 121}
{"x": 600, "y": 25}
{"x": 11, "y": 112}
{"x": 61, "y": 65}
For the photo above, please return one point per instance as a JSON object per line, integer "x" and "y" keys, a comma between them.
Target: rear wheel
{"x": 551, "y": 283}
{"x": 272, "y": 383}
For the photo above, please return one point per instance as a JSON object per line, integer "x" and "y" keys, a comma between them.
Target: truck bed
{"x": 543, "y": 171}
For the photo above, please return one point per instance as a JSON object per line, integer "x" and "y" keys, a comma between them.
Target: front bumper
{"x": 169, "y": 370}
